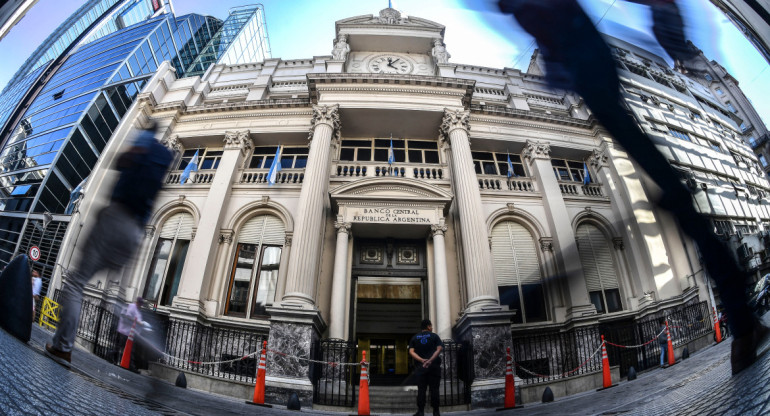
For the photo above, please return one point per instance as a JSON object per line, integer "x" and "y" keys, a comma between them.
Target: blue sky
{"x": 475, "y": 34}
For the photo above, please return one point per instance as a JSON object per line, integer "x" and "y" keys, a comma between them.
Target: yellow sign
{"x": 49, "y": 313}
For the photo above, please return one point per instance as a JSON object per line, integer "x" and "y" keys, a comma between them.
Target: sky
{"x": 475, "y": 33}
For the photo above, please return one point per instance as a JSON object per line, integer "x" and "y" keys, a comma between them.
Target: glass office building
{"x": 65, "y": 128}
{"x": 242, "y": 39}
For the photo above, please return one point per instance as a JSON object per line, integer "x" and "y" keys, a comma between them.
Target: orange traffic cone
{"x": 717, "y": 329}
{"x": 510, "y": 383}
{"x": 606, "y": 376}
{"x": 363, "y": 389}
{"x": 670, "y": 350}
{"x": 125, "y": 362}
{"x": 259, "y": 387}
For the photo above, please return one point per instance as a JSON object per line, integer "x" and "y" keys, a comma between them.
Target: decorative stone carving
{"x": 325, "y": 114}
{"x": 342, "y": 227}
{"x": 598, "y": 158}
{"x": 617, "y": 242}
{"x": 437, "y": 230}
{"x": 226, "y": 237}
{"x": 439, "y": 52}
{"x": 172, "y": 143}
{"x": 149, "y": 231}
{"x": 238, "y": 140}
{"x": 536, "y": 150}
{"x": 510, "y": 206}
{"x": 546, "y": 244}
{"x": 454, "y": 119}
{"x": 341, "y": 48}
{"x": 390, "y": 16}
{"x": 287, "y": 240}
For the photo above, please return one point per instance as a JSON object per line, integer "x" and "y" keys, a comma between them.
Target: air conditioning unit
{"x": 704, "y": 186}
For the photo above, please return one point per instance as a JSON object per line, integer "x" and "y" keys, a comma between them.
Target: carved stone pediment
{"x": 394, "y": 193}
{"x": 389, "y": 16}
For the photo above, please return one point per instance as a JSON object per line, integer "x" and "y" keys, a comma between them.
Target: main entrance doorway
{"x": 390, "y": 293}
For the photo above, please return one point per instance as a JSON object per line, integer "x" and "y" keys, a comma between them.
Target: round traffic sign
{"x": 34, "y": 253}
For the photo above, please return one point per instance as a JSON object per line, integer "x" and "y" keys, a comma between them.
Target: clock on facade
{"x": 390, "y": 64}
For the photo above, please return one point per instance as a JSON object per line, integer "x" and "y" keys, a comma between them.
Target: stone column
{"x": 538, "y": 155}
{"x": 222, "y": 274}
{"x": 280, "y": 287}
{"x": 339, "y": 283}
{"x": 303, "y": 264}
{"x": 201, "y": 257}
{"x": 444, "y": 321}
{"x": 477, "y": 257}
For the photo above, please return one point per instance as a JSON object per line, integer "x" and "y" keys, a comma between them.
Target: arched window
{"x": 254, "y": 272}
{"x": 517, "y": 271}
{"x": 599, "y": 269}
{"x": 168, "y": 259}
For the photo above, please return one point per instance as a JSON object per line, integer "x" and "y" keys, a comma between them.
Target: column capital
{"x": 149, "y": 231}
{"x": 287, "y": 239}
{"x": 546, "y": 244}
{"x": 238, "y": 140}
{"x": 342, "y": 227}
{"x": 325, "y": 114}
{"x": 536, "y": 150}
{"x": 599, "y": 158}
{"x": 454, "y": 119}
{"x": 437, "y": 230}
{"x": 617, "y": 242}
{"x": 226, "y": 236}
{"x": 172, "y": 143}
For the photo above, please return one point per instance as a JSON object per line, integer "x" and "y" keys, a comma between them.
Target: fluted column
{"x": 443, "y": 324}
{"x": 339, "y": 280}
{"x": 477, "y": 258}
{"x": 303, "y": 264}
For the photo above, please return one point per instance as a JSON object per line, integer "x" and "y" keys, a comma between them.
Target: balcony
{"x": 284, "y": 177}
{"x": 501, "y": 183}
{"x": 421, "y": 171}
{"x": 201, "y": 177}
{"x": 592, "y": 190}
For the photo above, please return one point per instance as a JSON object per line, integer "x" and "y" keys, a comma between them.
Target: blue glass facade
{"x": 241, "y": 39}
{"x": 69, "y": 122}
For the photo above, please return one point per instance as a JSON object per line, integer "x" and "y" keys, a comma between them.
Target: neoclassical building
{"x": 412, "y": 187}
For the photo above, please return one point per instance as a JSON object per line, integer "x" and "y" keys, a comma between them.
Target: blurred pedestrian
{"x": 37, "y": 284}
{"x": 662, "y": 341}
{"x": 577, "y": 58}
{"x": 116, "y": 232}
{"x": 425, "y": 347}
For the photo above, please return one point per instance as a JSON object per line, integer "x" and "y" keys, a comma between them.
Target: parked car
{"x": 759, "y": 297}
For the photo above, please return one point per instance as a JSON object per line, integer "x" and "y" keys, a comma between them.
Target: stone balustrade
{"x": 199, "y": 177}
{"x": 578, "y": 189}
{"x": 398, "y": 170}
{"x": 501, "y": 183}
{"x": 259, "y": 176}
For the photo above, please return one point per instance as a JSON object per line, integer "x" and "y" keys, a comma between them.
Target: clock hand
{"x": 395, "y": 61}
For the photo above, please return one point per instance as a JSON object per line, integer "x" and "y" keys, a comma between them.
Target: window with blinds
{"x": 254, "y": 273}
{"x": 598, "y": 268}
{"x": 517, "y": 271}
{"x": 168, "y": 259}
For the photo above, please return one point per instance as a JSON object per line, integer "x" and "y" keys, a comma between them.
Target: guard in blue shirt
{"x": 425, "y": 348}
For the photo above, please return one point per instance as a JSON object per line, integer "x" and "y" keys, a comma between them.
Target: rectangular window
{"x": 568, "y": 170}
{"x": 488, "y": 163}
{"x": 207, "y": 158}
{"x": 679, "y": 134}
{"x": 509, "y": 295}
{"x": 258, "y": 277}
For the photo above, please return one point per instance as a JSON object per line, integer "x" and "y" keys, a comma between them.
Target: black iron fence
{"x": 456, "y": 373}
{"x": 552, "y": 355}
{"x": 99, "y": 326}
{"x": 191, "y": 345}
{"x": 334, "y": 385}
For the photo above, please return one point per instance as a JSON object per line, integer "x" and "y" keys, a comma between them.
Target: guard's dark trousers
{"x": 428, "y": 377}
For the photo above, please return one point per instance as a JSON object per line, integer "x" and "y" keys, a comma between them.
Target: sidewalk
{"x": 32, "y": 384}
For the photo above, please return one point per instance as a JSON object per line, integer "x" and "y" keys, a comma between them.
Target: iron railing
{"x": 456, "y": 373}
{"x": 99, "y": 326}
{"x": 555, "y": 355}
{"x": 334, "y": 385}
{"x": 192, "y": 343}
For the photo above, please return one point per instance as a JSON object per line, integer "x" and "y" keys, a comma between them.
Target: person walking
{"x": 425, "y": 347}
{"x": 37, "y": 284}
{"x": 662, "y": 341}
{"x": 116, "y": 233}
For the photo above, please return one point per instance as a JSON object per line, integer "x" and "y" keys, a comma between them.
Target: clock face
{"x": 390, "y": 64}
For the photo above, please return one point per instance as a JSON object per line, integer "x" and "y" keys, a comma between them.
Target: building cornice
{"x": 316, "y": 80}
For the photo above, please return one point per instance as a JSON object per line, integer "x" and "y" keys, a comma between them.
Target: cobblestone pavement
{"x": 32, "y": 384}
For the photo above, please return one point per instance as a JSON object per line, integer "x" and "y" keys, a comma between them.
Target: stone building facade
{"x": 412, "y": 187}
